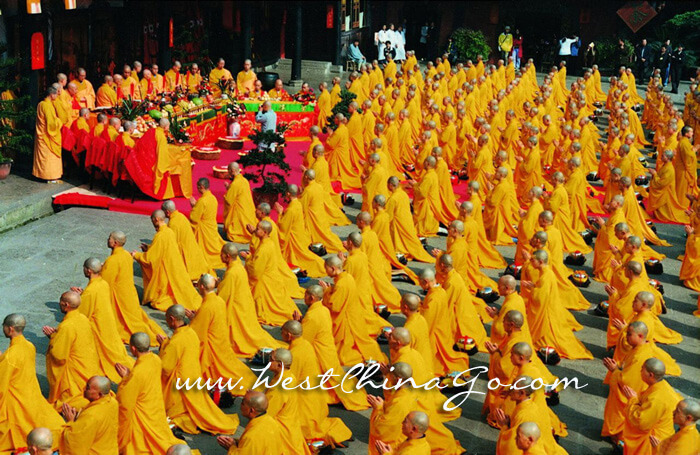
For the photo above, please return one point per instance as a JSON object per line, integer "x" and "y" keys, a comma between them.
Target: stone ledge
{"x": 23, "y": 200}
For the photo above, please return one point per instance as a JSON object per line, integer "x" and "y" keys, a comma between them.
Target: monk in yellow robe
{"x": 95, "y": 426}
{"x": 558, "y": 204}
{"x": 357, "y": 264}
{"x": 373, "y": 182}
{"x": 20, "y": 397}
{"x": 418, "y": 327}
{"x": 403, "y": 231}
{"x": 448, "y": 202}
{"x": 295, "y": 238}
{"x": 663, "y": 200}
{"x": 511, "y": 301}
{"x": 686, "y": 440}
{"x": 381, "y": 251}
{"x": 312, "y": 202}
{"x": 245, "y": 79}
{"x": 356, "y": 142}
{"x": 86, "y": 93}
{"x": 463, "y": 306}
{"x": 317, "y": 329}
{"x": 165, "y": 277}
{"x": 174, "y": 161}
{"x": 72, "y": 357}
{"x": 284, "y": 403}
{"x": 203, "y": 220}
{"x": 488, "y": 256}
{"x": 273, "y": 299}
{"x": 148, "y": 85}
{"x": 685, "y": 164}
{"x": 323, "y": 105}
{"x": 47, "y": 143}
{"x": 342, "y": 166}
{"x": 130, "y": 87}
{"x": 426, "y": 200}
{"x": 546, "y": 313}
{"x": 173, "y": 78}
{"x": 316, "y": 423}
{"x": 308, "y": 154}
{"x": 217, "y": 358}
{"x": 635, "y": 214}
{"x": 245, "y": 333}
{"x": 649, "y": 413}
{"x": 607, "y": 238}
{"x": 189, "y": 410}
{"x": 239, "y": 209}
{"x": 106, "y": 95}
{"x": 118, "y": 272}
{"x": 263, "y": 434}
{"x": 332, "y": 202}
{"x": 499, "y": 223}
{"x": 192, "y": 253}
{"x": 527, "y": 439}
{"x": 528, "y": 223}
{"x": 192, "y": 79}
{"x": 625, "y": 375}
{"x": 526, "y": 410}
{"x": 413, "y": 427}
{"x": 96, "y": 305}
{"x": 143, "y": 425}
{"x": 352, "y": 339}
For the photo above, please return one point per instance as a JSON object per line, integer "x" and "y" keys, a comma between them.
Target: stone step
{"x": 284, "y": 67}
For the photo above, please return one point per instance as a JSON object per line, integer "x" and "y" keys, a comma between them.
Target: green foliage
{"x": 346, "y": 97}
{"x": 15, "y": 138}
{"x": 268, "y": 151}
{"x": 685, "y": 29}
{"x": 130, "y": 109}
{"x": 470, "y": 43}
{"x": 177, "y": 130}
{"x": 606, "y": 53}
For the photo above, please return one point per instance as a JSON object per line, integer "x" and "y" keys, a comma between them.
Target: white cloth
{"x": 383, "y": 38}
{"x": 565, "y": 46}
{"x": 400, "y": 46}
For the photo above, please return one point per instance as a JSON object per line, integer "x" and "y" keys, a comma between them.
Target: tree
{"x": 346, "y": 97}
{"x": 268, "y": 159}
{"x": 685, "y": 29}
{"x": 14, "y": 111}
{"x": 470, "y": 43}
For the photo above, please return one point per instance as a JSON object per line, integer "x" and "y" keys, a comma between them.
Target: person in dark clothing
{"x": 643, "y": 60}
{"x": 677, "y": 63}
{"x": 389, "y": 51}
{"x": 663, "y": 63}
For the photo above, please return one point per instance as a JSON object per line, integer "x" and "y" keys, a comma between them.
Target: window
{"x": 343, "y": 13}
{"x": 356, "y": 14}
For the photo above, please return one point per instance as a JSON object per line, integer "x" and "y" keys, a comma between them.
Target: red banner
{"x": 329, "y": 16}
{"x": 37, "y": 45}
{"x": 636, "y": 14}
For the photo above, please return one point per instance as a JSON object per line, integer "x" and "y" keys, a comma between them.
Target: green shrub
{"x": 470, "y": 43}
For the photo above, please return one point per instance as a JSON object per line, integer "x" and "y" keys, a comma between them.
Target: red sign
{"x": 636, "y": 14}
{"x": 171, "y": 40}
{"x": 329, "y": 16}
{"x": 37, "y": 44}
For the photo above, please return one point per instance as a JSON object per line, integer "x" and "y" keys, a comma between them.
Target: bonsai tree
{"x": 14, "y": 112}
{"x": 266, "y": 161}
{"x": 346, "y": 97}
{"x": 470, "y": 43}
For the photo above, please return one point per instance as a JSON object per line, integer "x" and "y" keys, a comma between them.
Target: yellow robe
{"x": 86, "y": 91}
{"x": 351, "y": 337}
{"x": 206, "y": 230}
{"x": 527, "y": 411}
{"x": 273, "y": 300}
{"x": 342, "y": 166}
{"x": 192, "y": 253}
{"x": 637, "y": 217}
{"x": 245, "y": 80}
{"x": 447, "y": 209}
{"x": 165, "y": 278}
{"x": 284, "y": 406}
{"x": 295, "y": 241}
{"x": 96, "y": 305}
{"x": 317, "y": 328}
{"x": 316, "y": 423}
{"x": 498, "y": 214}
{"x": 245, "y": 334}
{"x": 174, "y": 160}
{"x": 106, "y": 96}
{"x": 606, "y": 238}
{"x": 217, "y": 358}
{"x": 263, "y": 434}
{"x": 143, "y": 426}
{"x": 189, "y": 410}
{"x": 546, "y": 315}
{"x": 71, "y": 360}
{"x": 312, "y": 202}
{"x": 558, "y": 204}
{"x": 174, "y": 79}
{"x": 118, "y": 272}
{"x": 357, "y": 265}
{"x": 239, "y": 210}
{"x": 489, "y": 257}
{"x": 690, "y": 268}
{"x": 685, "y": 164}
{"x": 463, "y": 309}
{"x": 323, "y": 104}
{"x": 527, "y": 228}
{"x": 403, "y": 231}
{"x": 511, "y": 302}
{"x": 426, "y": 202}
{"x": 663, "y": 199}
{"x": 94, "y": 429}
{"x": 630, "y": 375}
{"x": 684, "y": 442}
{"x": 441, "y": 327}
{"x": 381, "y": 226}
{"x": 47, "y": 143}
{"x": 24, "y": 407}
{"x": 331, "y": 201}
{"x": 420, "y": 336}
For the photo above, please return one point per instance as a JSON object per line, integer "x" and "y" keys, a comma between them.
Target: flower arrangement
{"x": 235, "y": 110}
{"x": 305, "y": 98}
{"x": 130, "y": 109}
{"x": 178, "y": 134}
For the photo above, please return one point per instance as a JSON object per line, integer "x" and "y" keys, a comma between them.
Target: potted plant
{"x": 266, "y": 164}
{"x": 14, "y": 112}
{"x": 471, "y": 43}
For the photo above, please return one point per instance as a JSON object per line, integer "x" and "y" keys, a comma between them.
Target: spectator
{"x": 677, "y": 63}
{"x": 621, "y": 54}
{"x": 517, "y": 52}
{"x": 575, "y": 61}
{"x": 400, "y": 44}
{"x": 389, "y": 51}
{"x": 663, "y": 63}
{"x": 355, "y": 54}
{"x": 565, "y": 48}
{"x": 643, "y": 60}
{"x": 451, "y": 50}
{"x": 589, "y": 55}
{"x": 424, "y": 30}
{"x": 505, "y": 43}
{"x": 380, "y": 38}
{"x": 433, "y": 38}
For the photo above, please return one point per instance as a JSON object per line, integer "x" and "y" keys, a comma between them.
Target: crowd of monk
{"x": 526, "y": 149}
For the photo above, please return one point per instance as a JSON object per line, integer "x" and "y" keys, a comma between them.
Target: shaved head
{"x": 230, "y": 250}
{"x": 316, "y": 291}
{"x": 71, "y": 298}
{"x": 16, "y": 321}
{"x": 176, "y": 312}
{"x": 140, "y": 341}
{"x": 402, "y": 370}
{"x": 179, "y": 449}
{"x": 524, "y": 349}
{"x": 168, "y": 206}
{"x": 101, "y": 383}
{"x": 411, "y": 301}
{"x": 257, "y": 401}
{"x": 402, "y": 335}
{"x": 515, "y": 317}
{"x": 656, "y": 367}
{"x": 40, "y": 438}
{"x": 419, "y": 420}
{"x": 284, "y": 356}
{"x": 93, "y": 264}
{"x": 293, "y": 327}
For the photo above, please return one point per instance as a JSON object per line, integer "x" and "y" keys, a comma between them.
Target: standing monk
{"x": 239, "y": 209}
{"x": 195, "y": 261}
{"x": 71, "y": 358}
{"x": 47, "y": 143}
{"x": 203, "y": 219}
{"x": 86, "y": 92}
{"x": 21, "y": 400}
{"x": 143, "y": 425}
{"x": 173, "y": 78}
{"x": 189, "y": 410}
{"x": 165, "y": 278}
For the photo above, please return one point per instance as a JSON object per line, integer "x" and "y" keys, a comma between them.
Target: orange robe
{"x": 47, "y": 143}
{"x": 192, "y": 253}
{"x": 206, "y": 230}
{"x": 312, "y": 202}
{"x": 295, "y": 241}
{"x": 239, "y": 210}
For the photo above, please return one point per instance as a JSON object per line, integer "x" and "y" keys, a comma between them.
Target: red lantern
{"x": 37, "y": 44}
{"x": 329, "y": 16}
